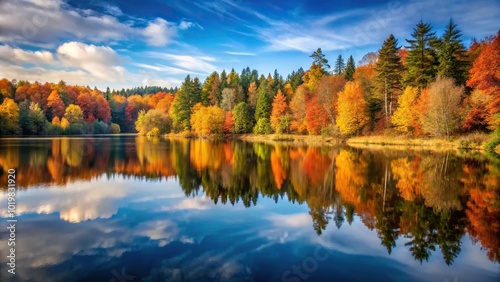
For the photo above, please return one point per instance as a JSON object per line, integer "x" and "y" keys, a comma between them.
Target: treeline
{"x": 434, "y": 86}
{"x": 53, "y": 109}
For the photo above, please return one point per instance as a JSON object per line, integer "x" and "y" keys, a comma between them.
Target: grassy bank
{"x": 476, "y": 141}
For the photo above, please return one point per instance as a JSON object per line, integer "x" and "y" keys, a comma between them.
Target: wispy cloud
{"x": 239, "y": 53}
{"x": 198, "y": 64}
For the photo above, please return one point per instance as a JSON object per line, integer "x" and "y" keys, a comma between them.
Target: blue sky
{"x": 158, "y": 42}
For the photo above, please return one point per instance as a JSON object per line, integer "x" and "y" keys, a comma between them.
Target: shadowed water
{"x": 138, "y": 209}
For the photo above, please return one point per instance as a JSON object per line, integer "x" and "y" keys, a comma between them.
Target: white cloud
{"x": 292, "y": 220}
{"x": 43, "y": 22}
{"x": 100, "y": 61}
{"x": 159, "y": 32}
{"x": 13, "y": 55}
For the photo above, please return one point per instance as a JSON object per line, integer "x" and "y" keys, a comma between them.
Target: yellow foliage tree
{"x": 404, "y": 117}
{"x": 207, "y": 120}
{"x": 352, "y": 109}
{"x": 64, "y": 123}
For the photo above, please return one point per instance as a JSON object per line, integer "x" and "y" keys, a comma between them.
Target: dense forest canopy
{"x": 431, "y": 86}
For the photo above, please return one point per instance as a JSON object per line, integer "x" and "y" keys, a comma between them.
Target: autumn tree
{"x": 298, "y": 109}
{"x": 208, "y": 120}
{"x": 152, "y": 122}
{"x": 477, "y": 114}
{"x": 317, "y": 117}
{"x": 6, "y": 89}
{"x": 229, "y": 99}
{"x": 350, "y": 69}
{"x": 102, "y": 109}
{"x": 327, "y": 94}
{"x": 210, "y": 90}
{"x": 252, "y": 94}
{"x": 421, "y": 64}
{"x": 55, "y": 105}
{"x": 279, "y": 113}
{"x": 56, "y": 121}
{"x": 443, "y": 115}
{"x": 387, "y": 80}
{"x": 228, "y": 122}
{"x": 9, "y": 117}
{"x": 352, "y": 109}
{"x": 87, "y": 105}
{"x": 74, "y": 114}
{"x": 404, "y": 118}
{"x": 485, "y": 76}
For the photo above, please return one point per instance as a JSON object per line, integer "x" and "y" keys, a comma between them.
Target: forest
{"x": 434, "y": 86}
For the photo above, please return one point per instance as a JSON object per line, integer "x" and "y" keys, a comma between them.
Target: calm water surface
{"x": 137, "y": 209}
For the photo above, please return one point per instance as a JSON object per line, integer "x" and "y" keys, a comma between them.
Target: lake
{"x": 136, "y": 209}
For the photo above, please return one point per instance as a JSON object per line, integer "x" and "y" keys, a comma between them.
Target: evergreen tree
{"x": 264, "y": 102}
{"x": 387, "y": 81}
{"x": 452, "y": 55}
{"x": 350, "y": 69}
{"x": 180, "y": 111}
{"x": 339, "y": 66}
{"x": 222, "y": 85}
{"x": 320, "y": 60}
{"x": 422, "y": 60}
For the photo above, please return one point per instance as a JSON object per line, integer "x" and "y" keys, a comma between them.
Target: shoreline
{"x": 474, "y": 142}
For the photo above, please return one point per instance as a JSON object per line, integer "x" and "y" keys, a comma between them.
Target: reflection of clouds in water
{"x": 81, "y": 201}
{"x": 292, "y": 220}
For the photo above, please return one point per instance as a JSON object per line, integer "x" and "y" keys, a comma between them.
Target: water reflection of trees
{"x": 429, "y": 200}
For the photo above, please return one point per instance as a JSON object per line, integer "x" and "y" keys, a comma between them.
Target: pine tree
{"x": 264, "y": 102}
{"x": 339, "y": 66}
{"x": 452, "y": 55}
{"x": 422, "y": 60}
{"x": 320, "y": 60}
{"x": 350, "y": 69}
{"x": 387, "y": 81}
{"x": 180, "y": 111}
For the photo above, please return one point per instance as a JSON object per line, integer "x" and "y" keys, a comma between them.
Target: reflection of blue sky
{"x": 89, "y": 228}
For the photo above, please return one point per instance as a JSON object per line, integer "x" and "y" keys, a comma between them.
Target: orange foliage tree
{"x": 278, "y": 112}
{"x": 485, "y": 76}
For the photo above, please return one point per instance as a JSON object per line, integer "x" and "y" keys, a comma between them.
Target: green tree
{"x": 264, "y": 102}
{"x": 421, "y": 64}
{"x": 387, "y": 81}
{"x": 243, "y": 120}
{"x": 339, "y": 66}
{"x": 452, "y": 55}
{"x": 37, "y": 117}
{"x": 320, "y": 60}
{"x": 263, "y": 126}
{"x": 186, "y": 98}
{"x": 350, "y": 69}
